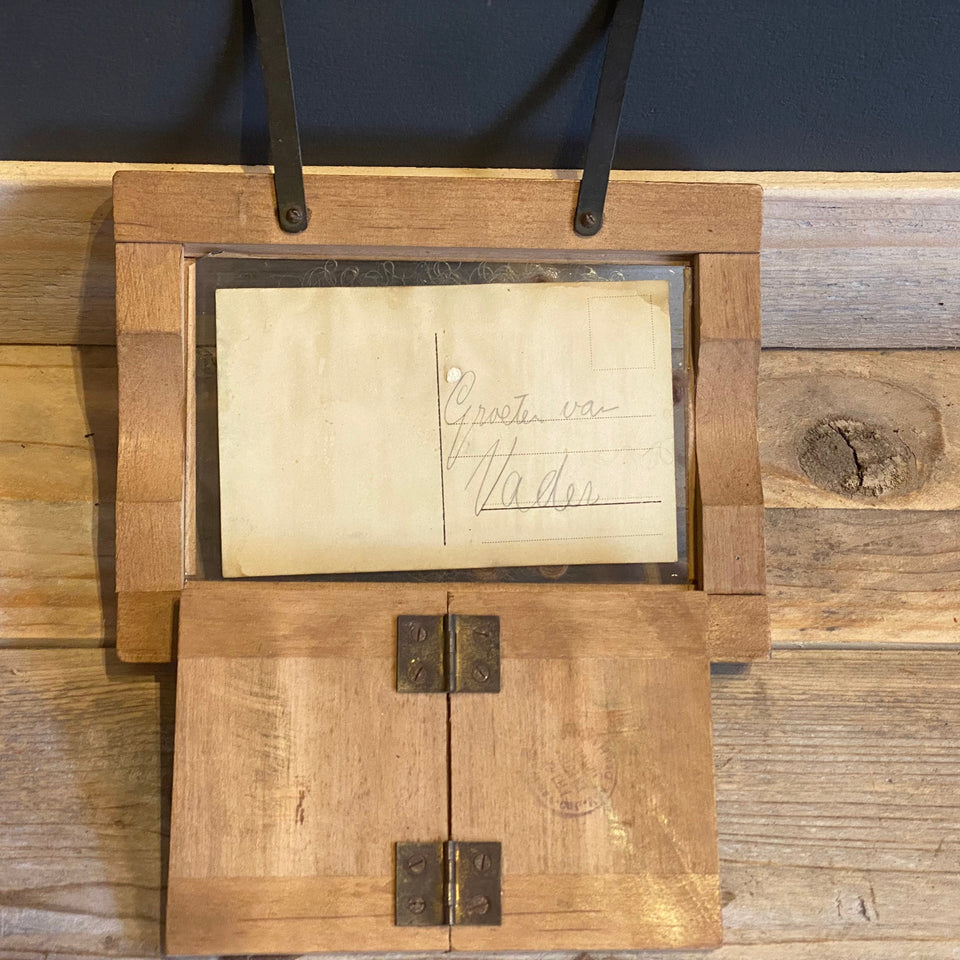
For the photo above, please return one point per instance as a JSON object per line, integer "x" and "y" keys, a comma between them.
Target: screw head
{"x": 421, "y": 634}
{"x": 481, "y": 863}
{"x": 417, "y": 864}
{"x": 588, "y": 219}
{"x": 417, "y": 672}
{"x": 478, "y": 905}
{"x": 416, "y": 905}
{"x": 480, "y": 673}
{"x": 293, "y": 216}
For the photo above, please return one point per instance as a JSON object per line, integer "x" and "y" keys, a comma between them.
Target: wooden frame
{"x": 163, "y": 219}
{"x": 594, "y": 669}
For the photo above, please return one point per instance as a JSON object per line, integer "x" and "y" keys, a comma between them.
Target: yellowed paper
{"x": 405, "y": 428}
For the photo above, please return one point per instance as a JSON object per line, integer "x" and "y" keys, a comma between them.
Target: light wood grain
{"x": 151, "y": 454}
{"x": 339, "y": 768}
{"x": 837, "y": 797}
{"x": 836, "y": 784}
{"x": 58, "y": 423}
{"x": 860, "y": 429}
{"x": 411, "y": 216}
{"x": 152, "y": 389}
{"x": 57, "y": 529}
{"x": 56, "y": 256}
{"x": 729, "y": 487}
{"x": 833, "y": 576}
{"x": 728, "y": 465}
{"x": 728, "y": 468}
{"x": 325, "y": 620}
{"x": 147, "y": 621}
{"x": 263, "y": 619}
{"x": 572, "y": 768}
{"x": 865, "y": 260}
{"x": 571, "y": 912}
{"x": 652, "y": 622}
{"x": 85, "y": 754}
{"x": 58, "y": 440}
{"x": 149, "y": 550}
{"x": 733, "y": 549}
{"x": 56, "y": 574}
{"x": 877, "y": 212}
{"x": 300, "y": 703}
{"x": 149, "y": 288}
{"x": 877, "y": 577}
{"x": 860, "y": 298}
{"x": 301, "y": 914}
{"x": 738, "y": 627}
{"x": 728, "y": 292}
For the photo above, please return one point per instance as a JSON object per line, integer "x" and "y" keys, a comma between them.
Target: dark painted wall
{"x": 729, "y": 84}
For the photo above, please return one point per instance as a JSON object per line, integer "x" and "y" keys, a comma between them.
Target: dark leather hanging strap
{"x": 292, "y": 213}
{"x": 621, "y": 40}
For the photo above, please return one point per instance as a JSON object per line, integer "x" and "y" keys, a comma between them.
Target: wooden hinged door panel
{"x": 593, "y": 768}
{"x": 297, "y": 768}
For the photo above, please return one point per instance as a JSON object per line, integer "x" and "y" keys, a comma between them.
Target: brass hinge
{"x": 450, "y": 882}
{"x": 452, "y": 653}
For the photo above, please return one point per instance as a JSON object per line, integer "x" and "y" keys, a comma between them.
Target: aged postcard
{"x": 414, "y": 428}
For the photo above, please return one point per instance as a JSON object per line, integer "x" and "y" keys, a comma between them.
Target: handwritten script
{"x": 433, "y": 427}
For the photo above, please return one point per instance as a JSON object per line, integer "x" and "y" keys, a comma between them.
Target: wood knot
{"x": 858, "y": 460}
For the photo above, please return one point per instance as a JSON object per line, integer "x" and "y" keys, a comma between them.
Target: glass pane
{"x": 222, "y": 272}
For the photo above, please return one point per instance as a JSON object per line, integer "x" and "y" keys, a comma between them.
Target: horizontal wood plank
{"x": 660, "y": 912}
{"x": 859, "y": 429}
{"x": 56, "y": 257}
{"x": 58, "y": 423}
{"x": 288, "y": 619}
{"x": 57, "y": 476}
{"x": 848, "y": 260}
{"x": 882, "y": 212}
{"x": 589, "y": 620}
{"x": 86, "y": 754}
{"x": 479, "y": 217}
{"x": 226, "y": 915}
{"x": 873, "y": 577}
{"x": 58, "y": 458}
{"x": 837, "y": 797}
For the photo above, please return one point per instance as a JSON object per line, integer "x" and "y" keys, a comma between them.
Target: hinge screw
{"x": 417, "y": 864}
{"x": 481, "y": 862}
{"x": 479, "y": 905}
{"x": 480, "y": 673}
{"x": 416, "y": 905}
{"x": 417, "y": 672}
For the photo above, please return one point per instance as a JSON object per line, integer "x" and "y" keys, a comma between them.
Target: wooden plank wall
{"x": 838, "y": 761}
